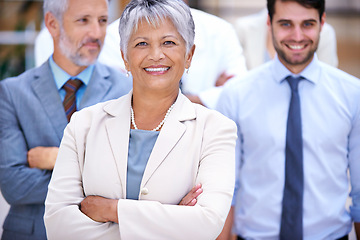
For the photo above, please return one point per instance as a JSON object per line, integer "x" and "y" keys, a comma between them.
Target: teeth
{"x": 156, "y": 69}
{"x": 296, "y": 47}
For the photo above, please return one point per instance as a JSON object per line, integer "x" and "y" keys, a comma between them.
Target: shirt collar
{"x": 61, "y": 76}
{"x": 311, "y": 72}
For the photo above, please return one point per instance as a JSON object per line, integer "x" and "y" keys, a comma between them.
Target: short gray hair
{"x": 56, "y": 7}
{"x": 155, "y": 11}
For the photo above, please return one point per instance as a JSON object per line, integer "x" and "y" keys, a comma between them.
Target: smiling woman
{"x": 144, "y": 156}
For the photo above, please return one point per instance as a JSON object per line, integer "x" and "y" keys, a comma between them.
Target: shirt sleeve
{"x": 227, "y": 106}
{"x": 354, "y": 166}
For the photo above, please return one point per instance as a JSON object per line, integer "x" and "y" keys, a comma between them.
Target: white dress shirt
{"x": 330, "y": 110}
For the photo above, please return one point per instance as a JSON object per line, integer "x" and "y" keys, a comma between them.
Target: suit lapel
{"x": 118, "y": 130}
{"x": 45, "y": 89}
{"x": 98, "y": 87}
{"x": 169, "y": 136}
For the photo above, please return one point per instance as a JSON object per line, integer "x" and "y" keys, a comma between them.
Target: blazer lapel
{"x": 118, "y": 130}
{"x": 170, "y": 135}
{"x": 45, "y": 89}
{"x": 97, "y": 88}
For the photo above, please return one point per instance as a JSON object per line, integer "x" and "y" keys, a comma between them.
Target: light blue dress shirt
{"x": 330, "y": 111}
{"x": 141, "y": 144}
{"x": 61, "y": 78}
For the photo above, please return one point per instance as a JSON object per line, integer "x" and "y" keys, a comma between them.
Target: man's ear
{"x": 189, "y": 56}
{"x": 322, "y": 20}
{"x": 52, "y": 24}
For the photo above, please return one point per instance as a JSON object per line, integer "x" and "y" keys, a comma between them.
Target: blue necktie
{"x": 292, "y": 206}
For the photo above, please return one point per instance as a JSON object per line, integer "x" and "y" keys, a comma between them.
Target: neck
{"x": 149, "y": 112}
{"x": 67, "y": 65}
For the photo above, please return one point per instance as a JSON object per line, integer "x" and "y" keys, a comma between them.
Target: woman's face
{"x": 156, "y": 57}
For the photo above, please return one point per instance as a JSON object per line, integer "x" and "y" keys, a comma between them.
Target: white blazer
{"x": 195, "y": 145}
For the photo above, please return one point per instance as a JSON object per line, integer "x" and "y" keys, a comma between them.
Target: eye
{"x": 169, "y": 43}
{"x": 308, "y": 24}
{"x": 141, "y": 44}
{"x": 103, "y": 20}
{"x": 82, "y": 20}
{"x": 285, "y": 24}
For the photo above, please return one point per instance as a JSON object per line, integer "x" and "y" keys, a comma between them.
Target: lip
{"x": 92, "y": 45}
{"x": 157, "y": 70}
{"x": 297, "y": 47}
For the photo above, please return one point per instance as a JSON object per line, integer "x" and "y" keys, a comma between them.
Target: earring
{"x": 187, "y": 71}
{"x": 127, "y": 74}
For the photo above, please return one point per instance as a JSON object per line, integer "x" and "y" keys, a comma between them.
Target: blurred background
{"x": 21, "y": 20}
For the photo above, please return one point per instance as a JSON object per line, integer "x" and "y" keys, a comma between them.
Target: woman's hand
{"x": 100, "y": 209}
{"x": 190, "y": 198}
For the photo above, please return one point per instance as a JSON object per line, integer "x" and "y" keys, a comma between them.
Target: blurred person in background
{"x": 124, "y": 165}
{"x": 35, "y": 108}
{"x": 298, "y": 124}
{"x": 256, "y": 41}
{"x": 218, "y": 56}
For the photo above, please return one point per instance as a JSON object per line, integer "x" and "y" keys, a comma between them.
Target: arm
{"x": 102, "y": 209}
{"x": 226, "y": 233}
{"x": 221, "y": 80}
{"x": 357, "y": 229}
{"x": 354, "y": 169}
{"x": 19, "y": 183}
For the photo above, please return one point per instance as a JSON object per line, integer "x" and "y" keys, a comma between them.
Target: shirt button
{"x": 144, "y": 191}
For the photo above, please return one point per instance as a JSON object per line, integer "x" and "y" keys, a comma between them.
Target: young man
{"x": 33, "y": 115}
{"x": 299, "y": 133}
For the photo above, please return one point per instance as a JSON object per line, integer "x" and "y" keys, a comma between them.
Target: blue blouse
{"x": 141, "y": 143}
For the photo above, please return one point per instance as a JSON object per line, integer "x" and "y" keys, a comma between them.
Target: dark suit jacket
{"x": 31, "y": 115}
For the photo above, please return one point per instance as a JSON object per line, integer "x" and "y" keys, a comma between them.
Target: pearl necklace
{"x": 160, "y": 124}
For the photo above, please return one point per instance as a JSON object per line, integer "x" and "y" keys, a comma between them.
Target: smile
{"x": 296, "y": 47}
{"x": 162, "y": 69}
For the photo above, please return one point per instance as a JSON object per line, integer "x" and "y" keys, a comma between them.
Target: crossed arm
{"x": 102, "y": 209}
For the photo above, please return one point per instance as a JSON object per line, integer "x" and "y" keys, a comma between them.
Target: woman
{"x": 124, "y": 165}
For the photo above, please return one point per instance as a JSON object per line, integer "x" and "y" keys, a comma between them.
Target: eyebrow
{"x": 166, "y": 36}
{"x": 288, "y": 20}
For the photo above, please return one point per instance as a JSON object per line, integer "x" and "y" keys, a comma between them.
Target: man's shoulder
{"x": 339, "y": 75}
{"x": 251, "y": 77}
{"x": 115, "y": 77}
{"x": 25, "y": 77}
{"x": 109, "y": 72}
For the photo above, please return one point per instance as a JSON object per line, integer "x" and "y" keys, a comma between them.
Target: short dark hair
{"x": 317, "y": 4}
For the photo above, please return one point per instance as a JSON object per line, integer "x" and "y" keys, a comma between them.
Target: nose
{"x": 298, "y": 33}
{"x": 96, "y": 30}
{"x": 156, "y": 53}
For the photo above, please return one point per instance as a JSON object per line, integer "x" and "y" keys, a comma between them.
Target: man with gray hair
{"x": 36, "y": 106}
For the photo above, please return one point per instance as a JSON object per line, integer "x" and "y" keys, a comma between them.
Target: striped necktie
{"x": 292, "y": 205}
{"x": 71, "y": 86}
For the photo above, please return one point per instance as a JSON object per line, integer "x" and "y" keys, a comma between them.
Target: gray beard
{"x": 74, "y": 56}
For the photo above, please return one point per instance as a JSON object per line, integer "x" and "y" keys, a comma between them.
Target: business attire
{"x": 330, "y": 113}
{"x": 195, "y": 145}
{"x": 217, "y": 50}
{"x": 252, "y": 33}
{"x": 31, "y": 115}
